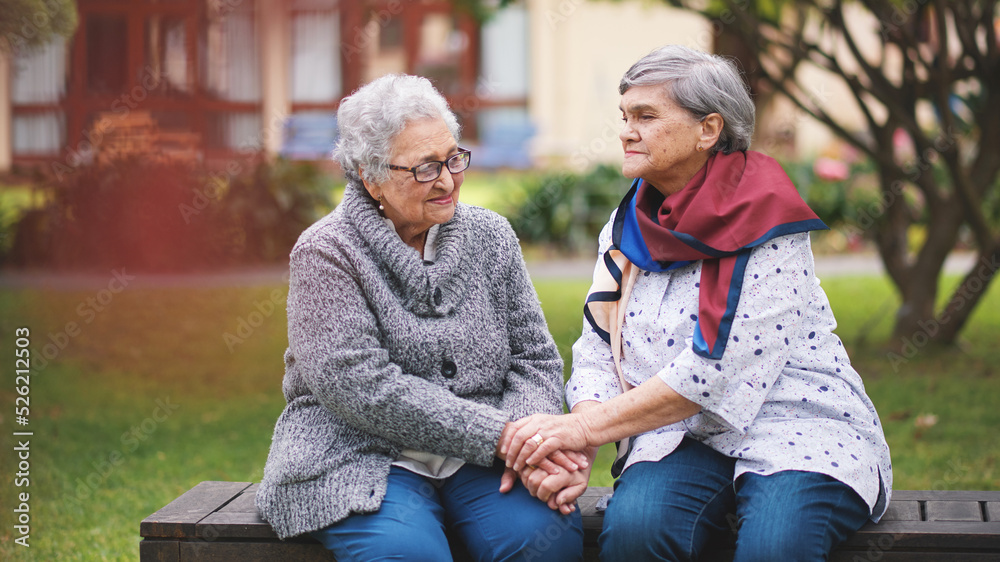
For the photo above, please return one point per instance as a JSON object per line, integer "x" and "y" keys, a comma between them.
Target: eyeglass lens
{"x": 431, "y": 170}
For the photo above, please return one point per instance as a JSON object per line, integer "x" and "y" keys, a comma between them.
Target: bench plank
{"x": 943, "y": 535}
{"x": 954, "y": 511}
{"x": 902, "y": 510}
{"x": 238, "y": 519}
{"x": 178, "y": 518}
{"x": 244, "y": 502}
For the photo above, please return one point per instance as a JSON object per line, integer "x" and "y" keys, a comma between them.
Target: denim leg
{"x": 511, "y": 526}
{"x": 794, "y": 515}
{"x": 409, "y": 525}
{"x": 670, "y": 509}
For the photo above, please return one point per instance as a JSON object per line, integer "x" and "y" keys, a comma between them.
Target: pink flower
{"x": 903, "y": 145}
{"x": 830, "y": 170}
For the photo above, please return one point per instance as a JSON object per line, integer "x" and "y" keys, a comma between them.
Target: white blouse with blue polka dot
{"x": 784, "y": 395}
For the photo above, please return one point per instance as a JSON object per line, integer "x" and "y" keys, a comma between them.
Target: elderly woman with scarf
{"x": 414, "y": 339}
{"x": 708, "y": 351}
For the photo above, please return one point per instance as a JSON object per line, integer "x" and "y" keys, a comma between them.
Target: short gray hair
{"x": 702, "y": 84}
{"x": 369, "y": 120}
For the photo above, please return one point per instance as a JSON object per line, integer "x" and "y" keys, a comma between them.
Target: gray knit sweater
{"x": 387, "y": 353}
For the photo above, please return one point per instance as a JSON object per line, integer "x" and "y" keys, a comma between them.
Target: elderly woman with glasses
{"x": 708, "y": 352}
{"x": 415, "y": 337}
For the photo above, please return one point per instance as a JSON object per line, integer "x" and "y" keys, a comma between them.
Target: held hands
{"x": 539, "y": 436}
{"x": 559, "y": 489}
{"x": 552, "y": 468}
{"x": 551, "y": 462}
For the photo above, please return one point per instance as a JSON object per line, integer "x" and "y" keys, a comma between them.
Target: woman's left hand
{"x": 558, "y": 491}
{"x": 521, "y": 447}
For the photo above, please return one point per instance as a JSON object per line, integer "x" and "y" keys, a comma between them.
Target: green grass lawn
{"x": 149, "y": 396}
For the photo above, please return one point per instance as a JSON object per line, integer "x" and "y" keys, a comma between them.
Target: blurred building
{"x": 220, "y": 77}
{"x": 221, "y": 80}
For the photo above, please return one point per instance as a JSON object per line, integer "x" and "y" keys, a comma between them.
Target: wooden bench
{"x": 218, "y": 521}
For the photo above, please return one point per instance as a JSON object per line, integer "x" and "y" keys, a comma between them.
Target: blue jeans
{"x": 676, "y": 508}
{"x": 411, "y": 522}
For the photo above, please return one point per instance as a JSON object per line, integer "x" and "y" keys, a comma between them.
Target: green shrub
{"x": 268, "y": 209}
{"x": 566, "y": 211}
{"x": 154, "y": 215}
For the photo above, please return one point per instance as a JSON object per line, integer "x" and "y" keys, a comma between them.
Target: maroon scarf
{"x": 735, "y": 203}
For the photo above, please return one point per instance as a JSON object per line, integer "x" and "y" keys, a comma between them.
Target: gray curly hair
{"x": 702, "y": 84}
{"x": 370, "y": 119}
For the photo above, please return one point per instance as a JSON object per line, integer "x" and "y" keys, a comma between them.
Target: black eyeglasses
{"x": 430, "y": 171}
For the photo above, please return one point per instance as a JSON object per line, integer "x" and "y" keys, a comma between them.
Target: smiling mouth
{"x": 443, "y": 200}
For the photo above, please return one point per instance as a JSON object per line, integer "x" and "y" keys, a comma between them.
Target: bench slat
{"x": 902, "y": 510}
{"x": 936, "y": 535}
{"x": 243, "y": 503}
{"x": 238, "y": 519}
{"x": 178, "y": 518}
{"x": 953, "y": 511}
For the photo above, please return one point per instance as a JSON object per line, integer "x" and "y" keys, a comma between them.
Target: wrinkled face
{"x": 660, "y": 139}
{"x": 412, "y": 206}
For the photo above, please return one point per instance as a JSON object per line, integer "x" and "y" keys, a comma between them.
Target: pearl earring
{"x": 381, "y": 207}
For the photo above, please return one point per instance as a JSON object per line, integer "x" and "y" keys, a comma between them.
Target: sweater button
{"x": 437, "y": 296}
{"x": 449, "y": 369}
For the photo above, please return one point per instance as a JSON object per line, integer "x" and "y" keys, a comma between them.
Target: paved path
{"x": 243, "y": 277}
{"x": 575, "y": 269}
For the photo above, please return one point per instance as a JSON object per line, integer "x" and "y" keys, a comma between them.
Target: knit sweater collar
{"x": 433, "y": 289}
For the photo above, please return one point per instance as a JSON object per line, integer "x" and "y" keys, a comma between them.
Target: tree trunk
{"x": 918, "y": 279}
{"x": 964, "y": 300}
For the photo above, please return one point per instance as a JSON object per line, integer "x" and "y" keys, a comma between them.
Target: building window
{"x": 230, "y": 72}
{"x": 39, "y": 86}
{"x": 504, "y": 124}
{"x": 230, "y": 62}
{"x": 315, "y": 76}
{"x": 107, "y": 42}
{"x": 167, "y": 55}
{"x": 38, "y": 134}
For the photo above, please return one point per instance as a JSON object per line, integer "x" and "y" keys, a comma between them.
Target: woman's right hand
{"x": 568, "y": 459}
{"x": 549, "y": 437}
